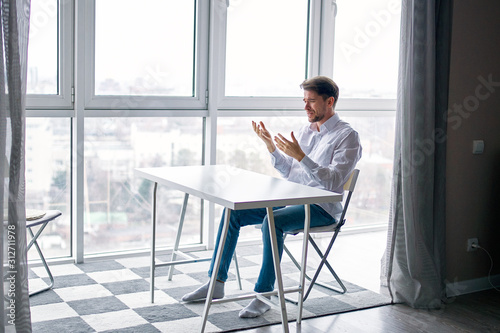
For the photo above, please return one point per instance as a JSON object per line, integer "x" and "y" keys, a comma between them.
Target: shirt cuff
{"x": 307, "y": 163}
{"x": 274, "y": 157}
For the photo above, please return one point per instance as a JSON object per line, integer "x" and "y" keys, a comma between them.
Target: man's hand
{"x": 291, "y": 148}
{"x": 264, "y": 134}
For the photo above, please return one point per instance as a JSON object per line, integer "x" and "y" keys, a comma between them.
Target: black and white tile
{"x": 113, "y": 296}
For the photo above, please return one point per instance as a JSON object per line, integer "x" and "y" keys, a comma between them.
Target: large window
{"x": 118, "y": 84}
{"x": 48, "y": 179}
{"x": 117, "y": 203}
{"x": 146, "y": 49}
{"x": 50, "y": 57}
{"x": 239, "y": 146}
{"x": 43, "y": 47}
{"x": 266, "y": 50}
{"x": 366, "y": 48}
{"x": 150, "y": 54}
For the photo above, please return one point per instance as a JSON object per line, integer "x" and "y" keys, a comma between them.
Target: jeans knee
{"x": 264, "y": 227}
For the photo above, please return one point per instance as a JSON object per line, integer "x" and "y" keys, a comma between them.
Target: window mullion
{"x": 327, "y": 37}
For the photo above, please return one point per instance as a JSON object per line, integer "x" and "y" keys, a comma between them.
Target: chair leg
{"x": 290, "y": 255}
{"x": 299, "y": 267}
{"x": 324, "y": 261}
{"x": 49, "y": 273}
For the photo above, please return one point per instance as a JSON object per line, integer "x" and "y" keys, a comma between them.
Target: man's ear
{"x": 331, "y": 100}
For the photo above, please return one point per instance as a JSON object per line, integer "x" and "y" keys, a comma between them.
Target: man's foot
{"x": 202, "y": 292}
{"x": 254, "y": 309}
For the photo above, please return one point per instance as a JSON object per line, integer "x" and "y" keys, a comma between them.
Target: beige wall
{"x": 473, "y": 181}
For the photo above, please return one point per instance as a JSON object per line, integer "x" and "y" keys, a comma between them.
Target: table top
{"x": 236, "y": 188}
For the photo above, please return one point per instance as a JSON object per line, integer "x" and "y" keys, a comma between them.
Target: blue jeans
{"x": 285, "y": 219}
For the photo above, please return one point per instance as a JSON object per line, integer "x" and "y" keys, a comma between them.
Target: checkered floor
{"x": 113, "y": 296}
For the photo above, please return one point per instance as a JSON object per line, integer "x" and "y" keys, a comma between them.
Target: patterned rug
{"x": 113, "y": 296}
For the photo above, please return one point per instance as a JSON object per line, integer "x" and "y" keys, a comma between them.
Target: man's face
{"x": 316, "y": 107}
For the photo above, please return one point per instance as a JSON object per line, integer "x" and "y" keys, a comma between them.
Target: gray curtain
{"x": 414, "y": 263}
{"x": 14, "y": 18}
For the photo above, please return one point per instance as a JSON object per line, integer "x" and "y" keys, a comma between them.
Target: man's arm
{"x": 343, "y": 162}
{"x": 337, "y": 171}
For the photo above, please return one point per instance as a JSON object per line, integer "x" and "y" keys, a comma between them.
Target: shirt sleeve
{"x": 281, "y": 162}
{"x": 343, "y": 162}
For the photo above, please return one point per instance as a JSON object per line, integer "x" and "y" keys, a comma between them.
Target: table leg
{"x": 277, "y": 269}
{"x": 153, "y": 245}
{"x": 178, "y": 236}
{"x": 215, "y": 271}
{"x": 305, "y": 242}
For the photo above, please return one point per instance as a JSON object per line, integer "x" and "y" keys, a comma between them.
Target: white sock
{"x": 254, "y": 309}
{"x": 202, "y": 292}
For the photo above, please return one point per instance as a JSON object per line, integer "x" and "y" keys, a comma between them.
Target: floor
{"x": 105, "y": 296}
{"x": 356, "y": 257}
{"x": 472, "y": 313}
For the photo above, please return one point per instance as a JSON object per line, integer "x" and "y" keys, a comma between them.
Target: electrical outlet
{"x": 470, "y": 243}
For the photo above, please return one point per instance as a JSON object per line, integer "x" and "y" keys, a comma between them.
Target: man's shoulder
{"x": 344, "y": 133}
{"x": 343, "y": 126}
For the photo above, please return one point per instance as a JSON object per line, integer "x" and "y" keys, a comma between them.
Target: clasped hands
{"x": 290, "y": 148}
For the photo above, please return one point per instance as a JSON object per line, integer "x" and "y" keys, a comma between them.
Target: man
{"x": 322, "y": 155}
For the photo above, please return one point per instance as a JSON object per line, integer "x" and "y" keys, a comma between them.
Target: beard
{"x": 316, "y": 118}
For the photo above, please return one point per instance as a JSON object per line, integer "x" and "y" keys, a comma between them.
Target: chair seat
{"x": 326, "y": 228}
{"x": 49, "y": 216}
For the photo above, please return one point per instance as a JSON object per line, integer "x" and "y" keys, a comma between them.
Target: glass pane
{"x": 367, "y": 48}
{"x": 48, "y": 181}
{"x": 117, "y": 203}
{"x": 371, "y": 200}
{"x": 144, "y": 48}
{"x": 43, "y": 46}
{"x": 266, "y": 48}
{"x": 238, "y": 145}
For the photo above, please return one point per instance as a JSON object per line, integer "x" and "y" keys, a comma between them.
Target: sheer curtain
{"x": 14, "y": 39}
{"x": 413, "y": 266}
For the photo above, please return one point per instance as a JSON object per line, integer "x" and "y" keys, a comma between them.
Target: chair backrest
{"x": 349, "y": 187}
{"x": 351, "y": 182}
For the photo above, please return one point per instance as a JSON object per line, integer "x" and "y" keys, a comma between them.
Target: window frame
{"x": 232, "y": 103}
{"x": 64, "y": 99}
{"x": 96, "y": 105}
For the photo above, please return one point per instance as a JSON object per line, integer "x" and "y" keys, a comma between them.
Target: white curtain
{"x": 14, "y": 19}
{"x": 414, "y": 264}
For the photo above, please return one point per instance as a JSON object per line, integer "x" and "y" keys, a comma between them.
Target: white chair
{"x": 335, "y": 228}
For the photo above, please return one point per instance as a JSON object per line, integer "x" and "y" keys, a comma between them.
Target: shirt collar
{"x": 329, "y": 124}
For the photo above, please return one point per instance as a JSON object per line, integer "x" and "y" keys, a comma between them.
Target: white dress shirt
{"x": 331, "y": 156}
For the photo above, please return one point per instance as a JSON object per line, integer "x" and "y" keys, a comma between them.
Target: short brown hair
{"x": 323, "y": 86}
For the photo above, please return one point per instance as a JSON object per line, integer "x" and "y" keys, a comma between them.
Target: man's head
{"x": 323, "y": 86}
{"x": 320, "y": 98}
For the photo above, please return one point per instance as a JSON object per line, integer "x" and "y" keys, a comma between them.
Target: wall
{"x": 473, "y": 181}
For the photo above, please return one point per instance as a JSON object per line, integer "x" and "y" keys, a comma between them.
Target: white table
{"x": 236, "y": 189}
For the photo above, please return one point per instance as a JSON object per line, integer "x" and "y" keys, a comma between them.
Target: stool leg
{"x": 49, "y": 273}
